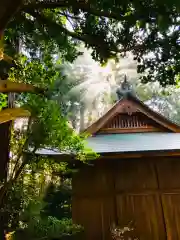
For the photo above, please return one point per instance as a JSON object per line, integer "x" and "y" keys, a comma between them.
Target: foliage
{"x": 14, "y": 203}
{"x": 47, "y": 127}
{"x": 50, "y": 228}
{"x": 33, "y": 225}
{"x": 3, "y": 100}
{"x": 58, "y": 201}
{"x": 98, "y": 86}
{"x": 29, "y": 207}
{"x": 89, "y": 88}
{"x": 150, "y": 29}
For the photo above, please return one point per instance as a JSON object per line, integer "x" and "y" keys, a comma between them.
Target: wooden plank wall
{"x": 145, "y": 192}
{"x": 92, "y": 203}
{"x": 169, "y": 185}
{"x": 138, "y": 199}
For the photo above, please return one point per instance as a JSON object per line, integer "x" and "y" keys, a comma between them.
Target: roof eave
{"x": 140, "y": 154}
{"x": 174, "y": 126}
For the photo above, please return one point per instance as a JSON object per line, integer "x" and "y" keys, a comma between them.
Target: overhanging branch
{"x": 7, "y": 9}
{"x": 105, "y": 49}
{"x": 82, "y": 5}
{"x": 88, "y": 39}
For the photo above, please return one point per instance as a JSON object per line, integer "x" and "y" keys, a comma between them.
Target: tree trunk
{"x": 4, "y": 163}
{"x": 73, "y": 117}
{"x": 4, "y": 160}
{"x": 82, "y": 117}
{"x": 4, "y": 149}
{"x": 7, "y": 10}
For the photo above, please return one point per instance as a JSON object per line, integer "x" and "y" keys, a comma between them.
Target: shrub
{"x": 49, "y": 228}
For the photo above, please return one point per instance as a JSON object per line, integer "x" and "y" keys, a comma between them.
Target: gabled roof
{"x": 133, "y": 104}
{"x": 131, "y": 129}
{"x": 126, "y": 145}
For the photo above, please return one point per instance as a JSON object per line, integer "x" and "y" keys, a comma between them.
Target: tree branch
{"x": 7, "y": 9}
{"x": 82, "y": 5}
{"x": 105, "y": 49}
{"x": 88, "y": 39}
{"x": 70, "y": 16}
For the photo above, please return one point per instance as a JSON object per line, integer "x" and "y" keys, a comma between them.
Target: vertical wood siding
{"x": 145, "y": 192}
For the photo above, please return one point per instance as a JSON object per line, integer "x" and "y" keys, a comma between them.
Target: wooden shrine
{"x": 136, "y": 179}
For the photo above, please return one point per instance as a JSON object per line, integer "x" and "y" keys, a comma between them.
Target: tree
{"x": 46, "y": 127}
{"x": 148, "y": 28}
{"x": 86, "y": 89}
{"x": 8, "y": 9}
{"x": 28, "y": 212}
{"x": 98, "y": 85}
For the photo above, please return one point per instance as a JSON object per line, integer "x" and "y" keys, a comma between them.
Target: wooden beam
{"x": 6, "y": 58}
{"x": 10, "y": 114}
{"x": 129, "y": 130}
{"x": 110, "y": 156}
{"x": 7, "y": 86}
{"x": 159, "y": 119}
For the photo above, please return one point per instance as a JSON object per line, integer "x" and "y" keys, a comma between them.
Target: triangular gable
{"x": 131, "y": 115}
